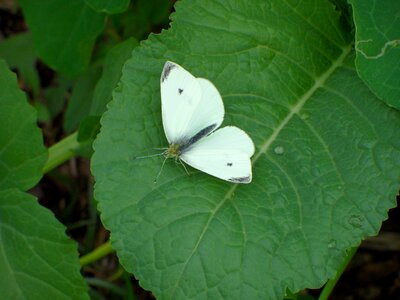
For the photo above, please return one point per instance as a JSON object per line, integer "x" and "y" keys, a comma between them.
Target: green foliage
{"x": 378, "y": 47}
{"x": 82, "y": 97}
{"x": 22, "y": 154}
{"x": 36, "y": 258}
{"x": 54, "y": 96}
{"x": 65, "y": 39}
{"x": 19, "y": 53}
{"x": 92, "y": 91}
{"x": 89, "y": 128}
{"x": 143, "y": 16}
{"x": 111, "y": 74}
{"x": 325, "y": 170}
{"x": 107, "y": 6}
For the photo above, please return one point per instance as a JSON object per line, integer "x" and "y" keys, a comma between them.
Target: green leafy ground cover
{"x": 36, "y": 257}
{"x": 317, "y": 93}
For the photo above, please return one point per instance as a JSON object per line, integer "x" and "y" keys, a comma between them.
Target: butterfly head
{"x": 173, "y": 151}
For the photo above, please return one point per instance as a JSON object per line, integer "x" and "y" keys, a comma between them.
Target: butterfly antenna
{"x": 159, "y": 173}
{"x": 147, "y": 156}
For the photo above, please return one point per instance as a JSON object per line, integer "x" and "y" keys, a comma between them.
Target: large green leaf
{"x": 22, "y": 154}
{"x": 377, "y": 44}
{"x": 63, "y": 32}
{"x": 37, "y": 260}
{"x": 325, "y": 172}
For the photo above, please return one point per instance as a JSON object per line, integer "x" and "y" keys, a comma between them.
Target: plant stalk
{"x": 96, "y": 254}
{"x": 61, "y": 152}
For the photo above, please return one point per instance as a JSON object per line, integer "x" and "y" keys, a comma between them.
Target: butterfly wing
{"x": 225, "y": 154}
{"x": 189, "y": 105}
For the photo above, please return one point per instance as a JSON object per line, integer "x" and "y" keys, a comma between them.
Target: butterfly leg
{"x": 183, "y": 164}
{"x": 159, "y": 173}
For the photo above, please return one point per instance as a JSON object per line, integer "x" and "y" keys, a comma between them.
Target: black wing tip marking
{"x": 167, "y": 69}
{"x": 202, "y": 133}
{"x": 246, "y": 179}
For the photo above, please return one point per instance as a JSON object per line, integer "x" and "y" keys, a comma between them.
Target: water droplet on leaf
{"x": 332, "y": 244}
{"x": 365, "y": 144}
{"x": 305, "y": 115}
{"x": 355, "y": 221}
{"x": 279, "y": 150}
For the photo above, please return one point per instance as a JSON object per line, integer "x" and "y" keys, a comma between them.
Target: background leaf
{"x": 56, "y": 95}
{"x": 378, "y": 47}
{"x": 36, "y": 257}
{"x": 22, "y": 153}
{"x": 325, "y": 170}
{"x": 88, "y": 129}
{"x": 143, "y": 17}
{"x": 111, "y": 74}
{"x": 19, "y": 53}
{"x": 106, "y": 6}
{"x": 81, "y": 97}
{"x": 65, "y": 40}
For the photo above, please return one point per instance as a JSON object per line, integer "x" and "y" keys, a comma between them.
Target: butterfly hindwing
{"x": 224, "y": 153}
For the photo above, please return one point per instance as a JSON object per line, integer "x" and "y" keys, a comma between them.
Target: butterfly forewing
{"x": 189, "y": 104}
{"x": 180, "y": 95}
{"x": 210, "y": 110}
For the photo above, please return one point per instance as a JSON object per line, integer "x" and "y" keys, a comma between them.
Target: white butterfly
{"x": 192, "y": 110}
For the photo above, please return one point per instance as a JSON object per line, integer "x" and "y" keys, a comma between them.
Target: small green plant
{"x": 316, "y": 84}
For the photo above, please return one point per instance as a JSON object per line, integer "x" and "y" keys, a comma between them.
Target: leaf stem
{"x": 97, "y": 282}
{"x": 61, "y": 152}
{"x": 330, "y": 285}
{"x": 96, "y": 254}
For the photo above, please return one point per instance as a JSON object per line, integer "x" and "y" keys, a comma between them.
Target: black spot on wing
{"x": 167, "y": 69}
{"x": 229, "y": 164}
{"x": 180, "y": 91}
{"x": 245, "y": 179}
{"x": 202, "y": 133}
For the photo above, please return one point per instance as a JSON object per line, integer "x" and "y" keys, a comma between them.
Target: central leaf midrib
{"x": 319, "y": 82}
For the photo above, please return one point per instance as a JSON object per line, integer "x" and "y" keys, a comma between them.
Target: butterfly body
{"x": 173, "y": 151}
